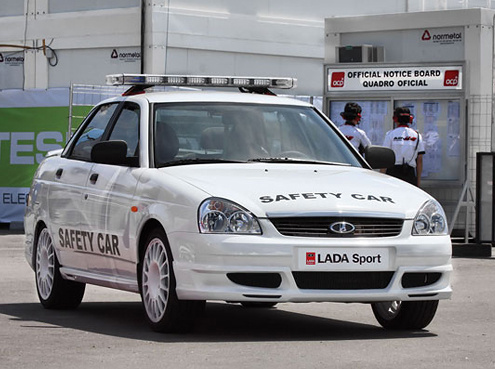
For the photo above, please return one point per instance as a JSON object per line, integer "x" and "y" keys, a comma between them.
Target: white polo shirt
{"x": 406, "y": 143}
{"x": 355, "y": 135}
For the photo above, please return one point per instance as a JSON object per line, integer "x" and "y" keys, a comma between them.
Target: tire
{"x": 258, "y": 305}
{"x": 54, "y": 292}
{"x": 405, "y": 315}
{"x": 164, "y": 311}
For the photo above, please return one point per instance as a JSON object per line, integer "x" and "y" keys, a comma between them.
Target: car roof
{"x": 211, "y": 96}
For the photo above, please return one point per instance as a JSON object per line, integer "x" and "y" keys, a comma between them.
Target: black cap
{"x": 402, "y": 115}
{"x": 351, "y": 111}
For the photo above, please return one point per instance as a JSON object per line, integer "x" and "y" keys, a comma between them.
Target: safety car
{"x": 245, "y": 197}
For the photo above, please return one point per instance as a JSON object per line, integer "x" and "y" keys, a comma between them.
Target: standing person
{"x": 357, "y": 137}
{"x": 408, "y": 147}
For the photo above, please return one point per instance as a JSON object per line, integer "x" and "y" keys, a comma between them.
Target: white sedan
{"x": 248, "y": 198}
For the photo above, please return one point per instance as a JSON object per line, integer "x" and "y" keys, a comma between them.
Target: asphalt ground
{"x": 109, "y": 329}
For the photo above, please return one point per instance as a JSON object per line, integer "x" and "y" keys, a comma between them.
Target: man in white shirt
{"x": 357, "y": 137}
{"x": 408, "y": 147}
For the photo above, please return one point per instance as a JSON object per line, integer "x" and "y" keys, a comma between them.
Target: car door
{"x": 70, "y": 174}
{"x": 108, "y": 200}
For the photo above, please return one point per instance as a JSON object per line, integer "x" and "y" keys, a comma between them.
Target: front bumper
{"x": 269, "y": 268}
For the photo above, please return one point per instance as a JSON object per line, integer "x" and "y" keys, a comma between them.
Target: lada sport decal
{"x": 313, "y": 258}
{"x": 323, "y": 196}
{"x": 102, "y": 243}
{"x": 343, "y": 258}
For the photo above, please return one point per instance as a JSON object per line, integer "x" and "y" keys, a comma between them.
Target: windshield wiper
{"x": 258, "y": 160}
{"x": 295, "y": 160}
{"x": 197, "y": 161}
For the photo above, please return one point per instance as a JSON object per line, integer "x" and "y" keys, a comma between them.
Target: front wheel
{"x": 406, "y": 315}
{"x": 54, "y": 292}
{"x": 164, "y": 311}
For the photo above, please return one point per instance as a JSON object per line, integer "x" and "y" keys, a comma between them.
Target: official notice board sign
{"x": 394, "y": 78}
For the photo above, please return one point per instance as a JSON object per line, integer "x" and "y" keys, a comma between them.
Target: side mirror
{"x": 109, "y": 152}
{"x": 379, "y": 157}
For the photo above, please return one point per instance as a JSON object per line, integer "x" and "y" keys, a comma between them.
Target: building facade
{"x": 47, "y": 45}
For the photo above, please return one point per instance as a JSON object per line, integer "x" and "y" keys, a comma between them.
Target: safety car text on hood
{"x": 324, "y": 195}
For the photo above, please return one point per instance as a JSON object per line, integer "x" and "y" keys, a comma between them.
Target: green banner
{"x": 26, "y": 135}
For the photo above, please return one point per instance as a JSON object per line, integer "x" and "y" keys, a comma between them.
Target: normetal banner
{"x": 394, "y": 78}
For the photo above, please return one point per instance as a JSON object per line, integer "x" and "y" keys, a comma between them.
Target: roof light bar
{"x": 199, "y": 81}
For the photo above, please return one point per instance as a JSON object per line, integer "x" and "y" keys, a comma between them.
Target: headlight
{"x": 430, "y": 220}
{"x": 222, "y": 216}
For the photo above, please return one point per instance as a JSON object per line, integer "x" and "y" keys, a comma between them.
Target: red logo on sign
{"x": 310, "y": 258}
{"x": 426, "y": 35}
{"x": 337, "y": 79}
{"x": 451, "y": 78}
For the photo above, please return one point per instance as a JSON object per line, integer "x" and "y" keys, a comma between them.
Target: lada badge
{"x": 342, "y": 227}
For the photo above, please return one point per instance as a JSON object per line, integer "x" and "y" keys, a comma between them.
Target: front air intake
{"x": 262, "y": 280}
{"x": 412, "y": 280}
{"x": 342, "y": 280}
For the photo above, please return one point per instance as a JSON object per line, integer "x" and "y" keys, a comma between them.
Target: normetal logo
{"x": 11, "y": 60}
{"x": 126, "y": 56}
{"x": 342, "y": 227}
{"x": 441, "y": 38}
{"x": 447, "y": 36}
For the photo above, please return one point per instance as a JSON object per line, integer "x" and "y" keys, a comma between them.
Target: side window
{"x": 126, "y": 128}
{"x": 93, "y": 132}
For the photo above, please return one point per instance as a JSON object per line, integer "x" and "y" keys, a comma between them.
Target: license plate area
{"x": 349, "y": 259}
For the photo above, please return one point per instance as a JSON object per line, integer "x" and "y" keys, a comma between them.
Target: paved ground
{"x": 109, "y": 330}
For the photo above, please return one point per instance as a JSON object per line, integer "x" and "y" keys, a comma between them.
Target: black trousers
{"x": 404, "y": 172}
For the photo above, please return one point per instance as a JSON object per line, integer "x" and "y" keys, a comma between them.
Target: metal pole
{"x": 71, "y": 93}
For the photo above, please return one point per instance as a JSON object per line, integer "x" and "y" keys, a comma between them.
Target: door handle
{"x": 93, "y": 178}
{"x": 58, "y": 173}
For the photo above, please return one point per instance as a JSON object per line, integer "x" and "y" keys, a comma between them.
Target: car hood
{"x": 305, "y": 190}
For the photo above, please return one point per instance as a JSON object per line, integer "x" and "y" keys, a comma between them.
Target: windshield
{"x": 216, "y": 132}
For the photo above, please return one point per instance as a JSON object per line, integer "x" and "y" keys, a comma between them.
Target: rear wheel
{"x": 54, "y": 292}
{"x": 164, "y": 311}
{"x": 405, "y": 314}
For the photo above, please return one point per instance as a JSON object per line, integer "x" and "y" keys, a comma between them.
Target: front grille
{"x": 342, "y": 280}
{"x": 320, "y": 226}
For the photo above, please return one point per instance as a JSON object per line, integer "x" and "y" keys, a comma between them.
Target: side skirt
{"x": 104, "y": 280}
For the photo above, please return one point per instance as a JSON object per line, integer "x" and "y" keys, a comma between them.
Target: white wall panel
{"x": 296, "y": 9}
{"x": 90, "y": 66}
{"x": 65, "y": 6}
{"x": 281, "y": 37}
{"x": 11, "y": 70}
{"x": 308, "y": 71}
{"x": 235, "y": 33}
{"x": 11, "y": 7}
